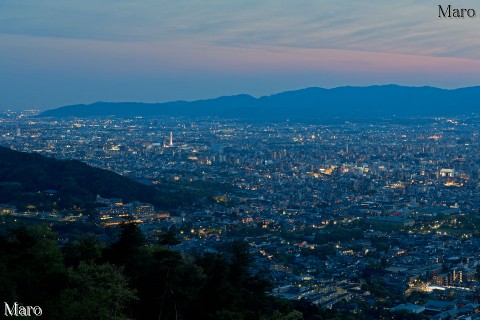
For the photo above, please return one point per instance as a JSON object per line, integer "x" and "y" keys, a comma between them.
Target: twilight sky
{"x": 54, "y": 52}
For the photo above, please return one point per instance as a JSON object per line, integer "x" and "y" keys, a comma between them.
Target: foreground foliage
{"x": 130, "y": 279}
{"x": 87, "y": 279}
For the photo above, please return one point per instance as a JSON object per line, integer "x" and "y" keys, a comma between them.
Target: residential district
{"x": 340, "y": 213}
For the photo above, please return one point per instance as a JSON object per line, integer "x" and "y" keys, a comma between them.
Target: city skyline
{"x": 77, "y": 52}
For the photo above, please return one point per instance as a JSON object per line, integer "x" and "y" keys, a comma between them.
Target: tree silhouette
{"x": 96, "y": 292}
{"x": 169, "y": 238}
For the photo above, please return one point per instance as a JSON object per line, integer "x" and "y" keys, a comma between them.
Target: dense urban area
{"x": 345, "y": 215}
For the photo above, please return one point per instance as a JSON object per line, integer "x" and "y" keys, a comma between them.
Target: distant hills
{"x": 28, "y": 179}
{"x": 311, "y": 103}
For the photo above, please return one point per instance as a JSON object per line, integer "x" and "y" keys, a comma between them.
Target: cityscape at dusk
{"x": 354, "y": 217}
{"x": 240, "y": 160}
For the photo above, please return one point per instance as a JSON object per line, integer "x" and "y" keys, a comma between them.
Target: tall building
{"x": 171, "y": 139}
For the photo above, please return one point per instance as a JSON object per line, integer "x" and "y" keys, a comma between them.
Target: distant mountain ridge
{"x": 309, "y": 103}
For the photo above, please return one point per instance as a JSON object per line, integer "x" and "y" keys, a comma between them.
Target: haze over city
{"x": 58, "y": 53}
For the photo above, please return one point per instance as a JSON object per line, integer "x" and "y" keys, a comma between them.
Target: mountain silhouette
{"x": 309, "y": 103}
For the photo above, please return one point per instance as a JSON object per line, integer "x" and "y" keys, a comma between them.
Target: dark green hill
{"x": 24, "y": 178}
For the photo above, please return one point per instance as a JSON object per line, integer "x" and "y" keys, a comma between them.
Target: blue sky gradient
{"x": 54, "y": 53}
